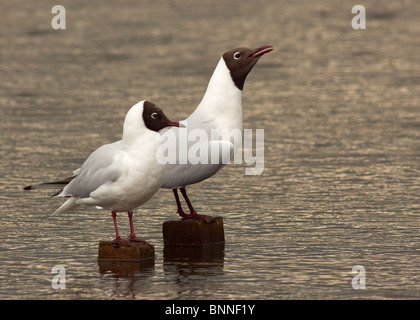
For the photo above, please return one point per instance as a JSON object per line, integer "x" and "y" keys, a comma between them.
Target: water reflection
{"x": 341, "y": 178}
{"x": 126, "y": 279}
{"x": 210, "y": 253}
{"x": 126, "y": 269}
{"x": 198, "y": 264}
{"x": 187, "y": 271}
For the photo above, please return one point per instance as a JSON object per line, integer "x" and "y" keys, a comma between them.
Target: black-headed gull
{"x": 123, "y": 175}
{"x": 220, "y": 109}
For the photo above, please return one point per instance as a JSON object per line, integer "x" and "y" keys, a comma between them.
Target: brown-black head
{"x": 154, "y": 118}
{"x": 240, "y": 62}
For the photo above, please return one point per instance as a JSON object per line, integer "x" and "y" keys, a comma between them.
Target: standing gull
{"x": 123, "y": 175}
{"x": 220, "y": 110}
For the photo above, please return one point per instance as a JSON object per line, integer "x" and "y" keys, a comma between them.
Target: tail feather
{"x": 50, "y": 185}
{"x": 66, "y": 206}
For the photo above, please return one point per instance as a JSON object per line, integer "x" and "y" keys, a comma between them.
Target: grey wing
{"x": 181, "y": 175}
{"x": 101, "y": 167}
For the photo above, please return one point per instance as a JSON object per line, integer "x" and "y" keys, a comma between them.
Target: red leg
{"x": 132, "y": 236}
{"x": 114, "y": 217}
{"x": 193, "y": 213}
{"x": 181, "y": 212}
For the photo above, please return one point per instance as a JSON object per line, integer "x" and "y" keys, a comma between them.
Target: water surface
{"x": 340, "y": 110}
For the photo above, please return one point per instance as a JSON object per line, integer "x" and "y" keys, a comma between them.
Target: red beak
{"x": 261, "y": 51}
{"x": 175, "y": 124}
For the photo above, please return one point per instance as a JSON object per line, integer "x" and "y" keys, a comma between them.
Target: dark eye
{"x": 237, "y": 55}
{"x": 154, "y": 115}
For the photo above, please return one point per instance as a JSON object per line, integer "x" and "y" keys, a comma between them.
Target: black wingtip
{"x": 27, "y": 188}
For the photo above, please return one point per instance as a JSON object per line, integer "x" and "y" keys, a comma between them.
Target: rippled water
{"x": 340, "y": 110}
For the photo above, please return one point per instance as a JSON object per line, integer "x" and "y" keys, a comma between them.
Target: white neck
{"x": 222, "y": 102}
{"x": 133, "y": 123}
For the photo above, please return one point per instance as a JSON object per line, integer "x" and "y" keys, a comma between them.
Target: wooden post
{"x": 191, "y": 232}
{"x": 125, "y": 250}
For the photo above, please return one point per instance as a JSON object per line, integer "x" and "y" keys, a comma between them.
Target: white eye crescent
{"x": 154, "y": 115}
{"x": 237, "y": 55}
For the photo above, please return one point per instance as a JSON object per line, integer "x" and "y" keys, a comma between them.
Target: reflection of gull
{"x": 122, "y": 175}
{"x": 220, "y": 109}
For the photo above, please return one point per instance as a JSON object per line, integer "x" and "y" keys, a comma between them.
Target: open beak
{"x": 261, "y": 51}
{"x": 175, "y": 124}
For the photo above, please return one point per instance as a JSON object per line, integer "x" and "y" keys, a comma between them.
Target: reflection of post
{"x": 126, "y": 268}
{"x": 211, "y": 253}
{"x": 183, "y": 261}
